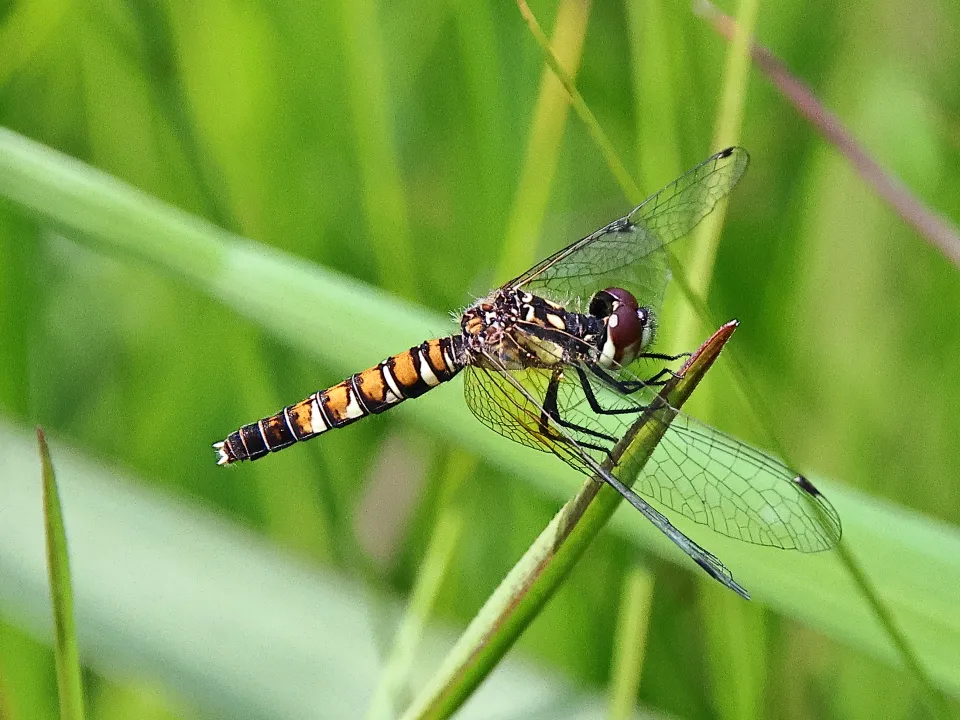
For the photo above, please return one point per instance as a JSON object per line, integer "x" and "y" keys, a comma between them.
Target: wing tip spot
{"x": 807, "y": 486}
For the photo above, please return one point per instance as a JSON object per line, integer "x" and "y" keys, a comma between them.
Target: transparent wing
{"x": 501, "y": 406}
{"x": 695, "y": 470}
{"x": 629, "y": 252}
{"x": 510, "y": 403}
{"x": 737, "y": 490}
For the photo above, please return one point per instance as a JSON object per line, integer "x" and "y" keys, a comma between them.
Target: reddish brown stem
{"x": 934, "y": 228}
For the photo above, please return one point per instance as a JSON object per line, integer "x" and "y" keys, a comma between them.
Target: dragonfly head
{"x": 628, "y": 328}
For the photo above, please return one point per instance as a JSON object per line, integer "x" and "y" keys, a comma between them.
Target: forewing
{"x": 629, "y": 252}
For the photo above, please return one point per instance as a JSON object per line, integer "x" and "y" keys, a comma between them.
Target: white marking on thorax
{"x": 556, "y": 321}
{"x": 546, "y": 351}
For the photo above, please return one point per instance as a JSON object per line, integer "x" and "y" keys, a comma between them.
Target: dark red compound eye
{"x": 627, "y": 328}
{"x": 624, "y": 296}
{"x": 626, "y": 331}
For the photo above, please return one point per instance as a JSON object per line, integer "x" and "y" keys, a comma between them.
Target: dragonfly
{"x": 558, "y": 359}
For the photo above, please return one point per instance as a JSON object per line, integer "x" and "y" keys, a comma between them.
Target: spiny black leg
{"x": 592, "y": 399}
{"x": 628, "y": 387}
{"x": 589, "y": 445}
{"x": 550, "y": 404}
{"x": 661, "y": 356}
{"x": 624, "y": 387}
{"x": 656, "y": 381}
{"x": 552, "y": 412}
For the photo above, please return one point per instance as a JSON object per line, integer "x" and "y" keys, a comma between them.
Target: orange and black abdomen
{"x": 406, "y": 375}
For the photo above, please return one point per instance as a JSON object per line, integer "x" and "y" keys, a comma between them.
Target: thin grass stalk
{"x": 393, "y": 684}
{"x": 65, "y": 649}
{"x": 631, "y": 642}
{"x": 933, "y": 227}
{"x": 543, "y": 139}
{"x": 593, "y": 125}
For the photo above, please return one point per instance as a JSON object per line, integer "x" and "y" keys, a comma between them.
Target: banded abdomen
{"x": 406, "y": 375}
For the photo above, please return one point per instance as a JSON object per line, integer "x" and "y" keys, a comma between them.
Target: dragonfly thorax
{"x": 522, "y": 330}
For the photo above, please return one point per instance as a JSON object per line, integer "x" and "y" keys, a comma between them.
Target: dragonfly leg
{"x": 627, "y": 388}
{"x": 655, "y": 380}
{"x": 661, "y": 356}
{"x": 551, "y": 411}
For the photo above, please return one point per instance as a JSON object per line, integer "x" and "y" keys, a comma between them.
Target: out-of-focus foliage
{"x": 385, "y": 142}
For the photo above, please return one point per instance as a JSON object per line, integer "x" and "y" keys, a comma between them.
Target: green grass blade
{"x": 69, "y": 679}
{"x": 631, "y": 642}
{"x": 539, "y": 573}
{"x": 736, "y": 635}
{"x": 543, "y": 141}
{"x": 620, "y": 172}
{"x": 393, "y": 683}
{"x": 116, "y": 218}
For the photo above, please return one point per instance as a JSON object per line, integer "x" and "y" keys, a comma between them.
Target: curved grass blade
{"x": 544, "y": 137}
{"x": 61, "y": 594}
{"x": 621, "y": 174}
{"x": 541, "y": 570}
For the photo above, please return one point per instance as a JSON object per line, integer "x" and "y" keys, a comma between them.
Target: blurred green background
{"x": 401, "y": 144}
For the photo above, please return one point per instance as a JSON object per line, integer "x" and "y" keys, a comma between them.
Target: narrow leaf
{"x": 61, "y": 594}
